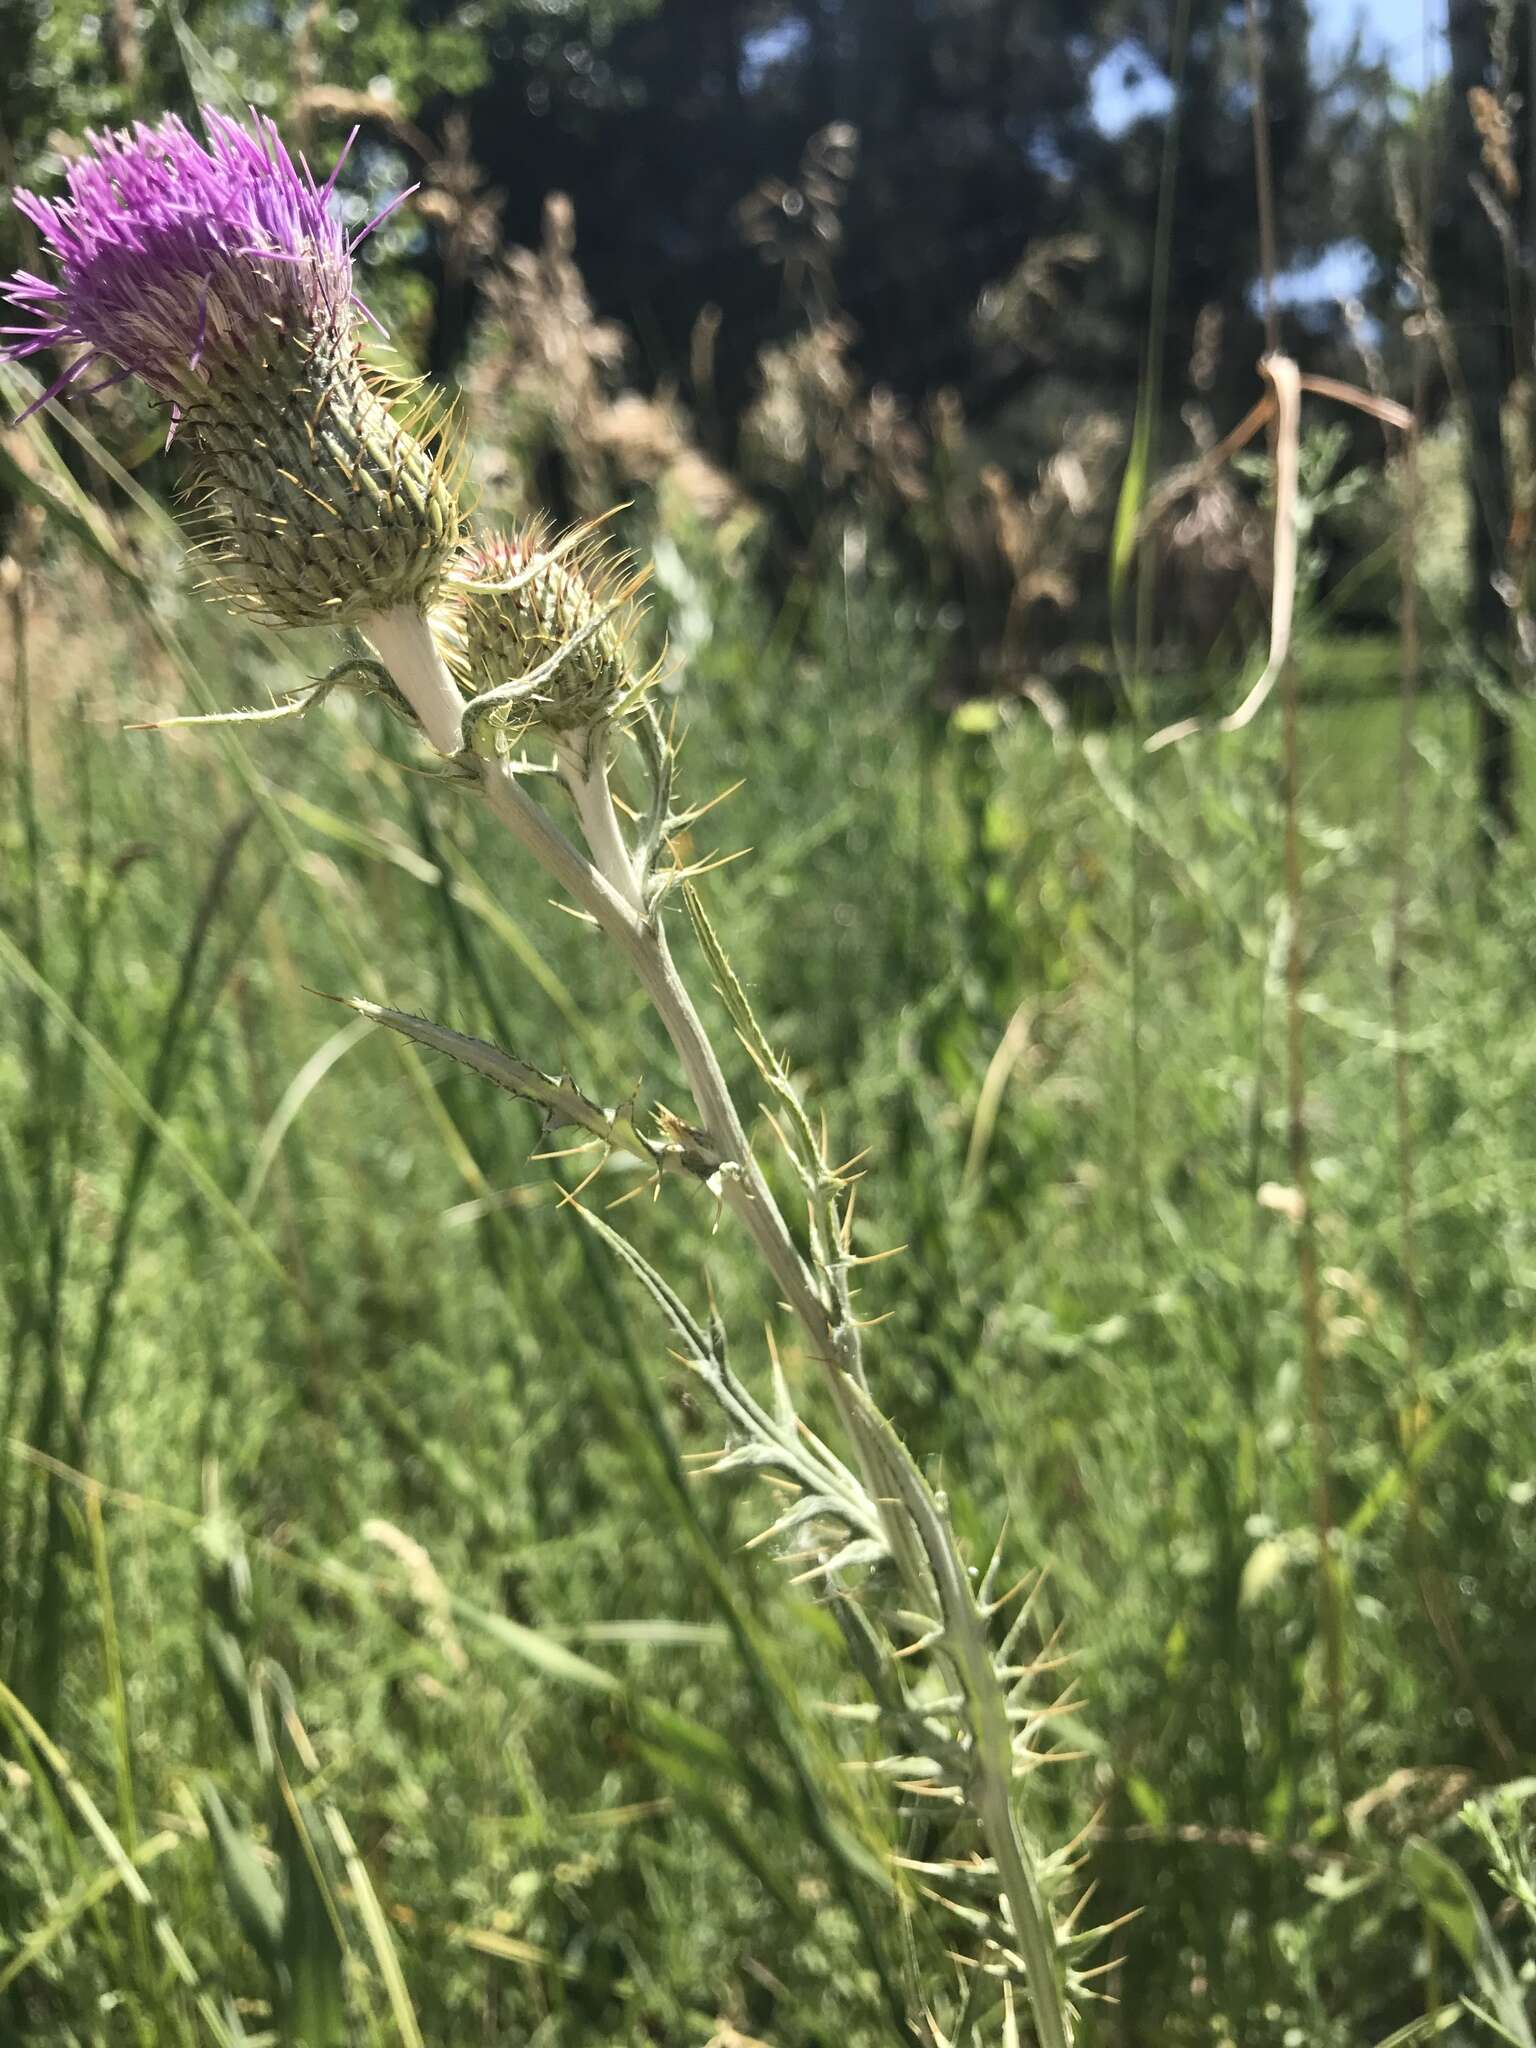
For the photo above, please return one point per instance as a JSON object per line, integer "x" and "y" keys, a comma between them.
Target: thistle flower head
{"x": 178, "y": 260}
{"x": 545, "y": 624}
{"x": 218, "y": 274}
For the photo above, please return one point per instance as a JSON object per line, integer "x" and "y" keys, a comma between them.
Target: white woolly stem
{"x": 585, "y": 774}
{"x": 403, "y": 641}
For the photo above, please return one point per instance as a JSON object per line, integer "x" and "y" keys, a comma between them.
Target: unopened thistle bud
{"x": 544, "y": 626}
{"x": 219, "y": 276}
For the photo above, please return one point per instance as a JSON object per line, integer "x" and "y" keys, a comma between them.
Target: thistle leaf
{"x": 560, "y": 1100}
{"x": 695, "y": 1341}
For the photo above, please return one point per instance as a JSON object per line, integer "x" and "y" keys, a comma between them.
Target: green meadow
{"x": 318, "y": 1394}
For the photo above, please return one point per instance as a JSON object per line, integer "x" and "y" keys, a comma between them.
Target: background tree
{"x": 1481, "y": 261}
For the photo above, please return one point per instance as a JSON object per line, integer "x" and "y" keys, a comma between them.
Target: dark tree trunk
{"x": 1473, "y": 281}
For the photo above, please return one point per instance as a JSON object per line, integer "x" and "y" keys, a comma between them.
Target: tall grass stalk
{"x": 1297, "y": 1138}
{"x": 1300, "y": 1154}
{"x": 1141, "y": 467}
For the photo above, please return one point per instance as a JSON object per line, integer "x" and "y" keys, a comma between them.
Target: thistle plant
{"x": 217, "y": 275}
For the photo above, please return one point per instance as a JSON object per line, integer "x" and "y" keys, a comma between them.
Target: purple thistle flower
{"x": 177, "y": 260}
{"x": 218, "y": 273}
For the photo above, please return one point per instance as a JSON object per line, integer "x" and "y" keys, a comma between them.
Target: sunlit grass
{"x": 573, "y": 1782}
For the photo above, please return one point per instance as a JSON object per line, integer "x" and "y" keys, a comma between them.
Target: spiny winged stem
{"x": 816, "y": 1295}
{"x": 614, "y": 883}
